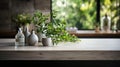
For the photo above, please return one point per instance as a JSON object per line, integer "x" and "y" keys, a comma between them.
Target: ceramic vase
{"x": 27, "y": 34}
{"x": 47, "y": 42}
{"x": 33, "y": 39}
{"x": 19, "y": 38}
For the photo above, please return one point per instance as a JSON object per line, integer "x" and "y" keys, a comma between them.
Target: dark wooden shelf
{"x": 93, "y": 34}
{"x": 7, "y": 34}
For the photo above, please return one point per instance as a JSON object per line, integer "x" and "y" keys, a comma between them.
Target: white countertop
{"x": 86, "y": 44}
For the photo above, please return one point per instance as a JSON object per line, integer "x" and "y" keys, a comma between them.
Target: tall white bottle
{"x": 106, "y": 23}
{"x": 26, "y": 34}
{"x": 19, "y": 38}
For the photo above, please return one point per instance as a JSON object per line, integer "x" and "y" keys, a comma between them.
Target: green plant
{"x": 22, "y": 19}
{"x": 57, "y": 31}
{"x": 40, "y": 21}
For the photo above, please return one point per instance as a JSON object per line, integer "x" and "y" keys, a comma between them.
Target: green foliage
{"x": 57, "y": 31}
{"x": 82, "y": 13}
{"x": 40, "y": 20}
{"x": 22, "y": 19}
{"x": 78, "y": 13}
{"x": 111, "y": 7}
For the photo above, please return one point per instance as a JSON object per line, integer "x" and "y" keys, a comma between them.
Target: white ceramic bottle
{"x": 105, "y": 23}
{"x": 27, "y": 34}
{"x": 33, "y": 39}
{"x": 19, "y": 38}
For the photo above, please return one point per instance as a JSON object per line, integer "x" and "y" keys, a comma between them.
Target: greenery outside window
{"x": 84, "y": 14}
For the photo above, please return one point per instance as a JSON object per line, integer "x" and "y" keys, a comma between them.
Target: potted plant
{"x": 60, "y": 34}
{"x": 23, "y": 21}
{"x": 40, "y": 21}
{"x": 56, "y": 32}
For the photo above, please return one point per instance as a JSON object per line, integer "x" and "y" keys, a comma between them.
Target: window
{"x": 84, "y": 14}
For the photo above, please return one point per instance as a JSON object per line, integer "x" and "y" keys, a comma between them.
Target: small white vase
{"x": 47, "y": 42}
{"x": 33, "y": 39}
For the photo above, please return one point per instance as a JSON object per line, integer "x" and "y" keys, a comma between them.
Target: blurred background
{"x": 84, "y": 14}
{"x": 81, "y": 14}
